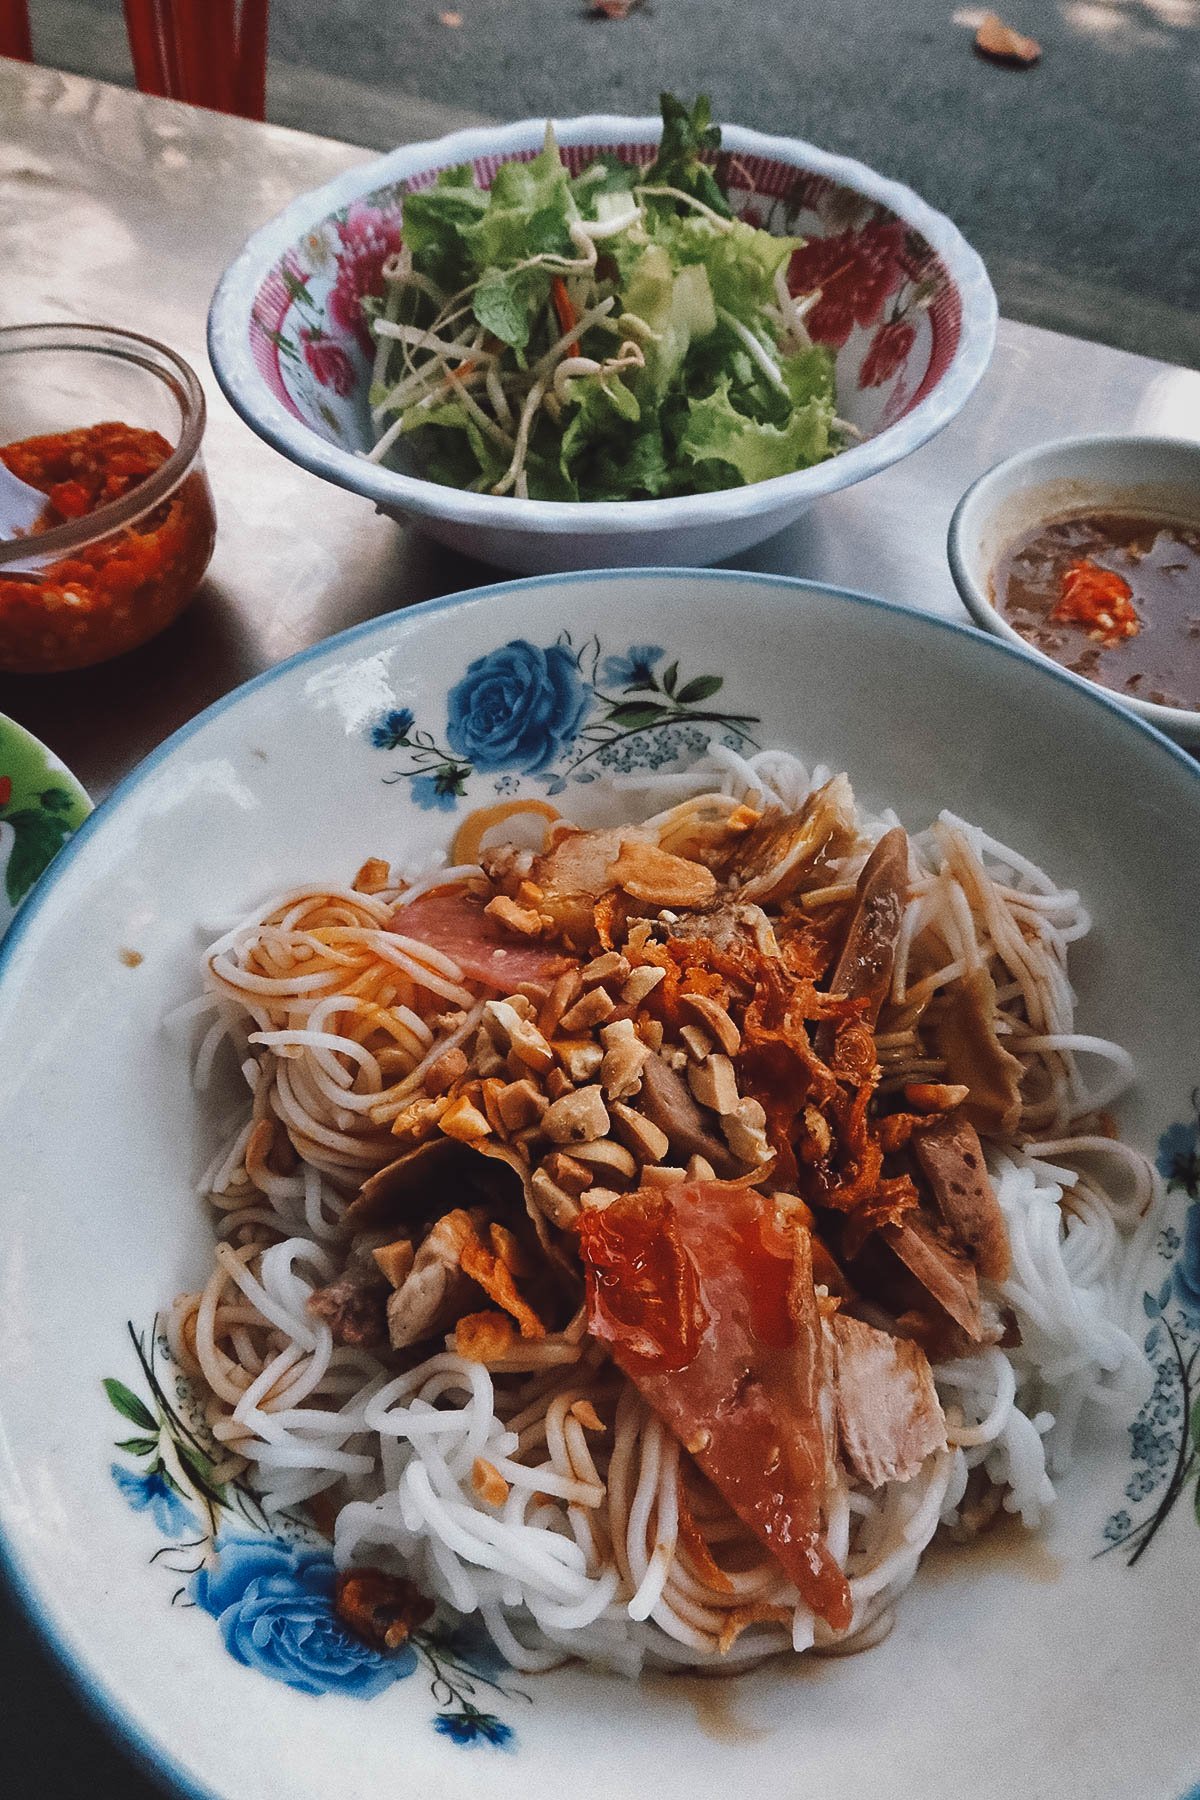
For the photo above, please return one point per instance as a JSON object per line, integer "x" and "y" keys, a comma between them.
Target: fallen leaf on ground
{"x": 1001, "y": 43}
{"x": 613, "y": 9}
{"x": 452, "y": 19}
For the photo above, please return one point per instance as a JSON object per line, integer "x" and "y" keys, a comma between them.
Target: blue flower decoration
{"x": 635, "y": 668}
{"x": 517, "y": 708}
{"x": 390, "y": 731}
{"x": 1117, "y": 1526}
{"x": 154, "y": 1494}
{"x": 470, "y": 1727}
{"x": 274, "y": 1605}
{"x": 1178, "y": 1158}
{"x": 1187, "y": 1269}
{"x": 437, "y": 792}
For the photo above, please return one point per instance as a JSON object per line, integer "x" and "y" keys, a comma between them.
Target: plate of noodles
{"x": 602, "y": 1187}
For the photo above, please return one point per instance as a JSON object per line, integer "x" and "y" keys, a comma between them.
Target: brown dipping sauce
{"x": 1160, "y": 560}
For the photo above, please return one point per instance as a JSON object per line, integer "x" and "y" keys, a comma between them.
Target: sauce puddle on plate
{"x": 1138, "y": 634}
{"x": 1005, "y": 1546}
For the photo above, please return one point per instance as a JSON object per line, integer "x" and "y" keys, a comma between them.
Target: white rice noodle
{"x": 583, "y": 1552}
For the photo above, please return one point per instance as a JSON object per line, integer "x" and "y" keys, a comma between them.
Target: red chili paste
{"x": 121, "y": 588}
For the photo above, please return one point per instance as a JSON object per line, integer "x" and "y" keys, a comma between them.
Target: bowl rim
{"x": 987, "y": 615}
{"x": 73, "y": 337}
{"x": 82, "y": 1668}
{"x": 247, "y": 391}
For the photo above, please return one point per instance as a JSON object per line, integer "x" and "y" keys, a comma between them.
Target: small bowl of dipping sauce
{"x": 1087, "y": 551}
{"x": 108, "y": 426}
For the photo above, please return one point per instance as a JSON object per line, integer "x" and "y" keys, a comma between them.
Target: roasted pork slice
{"x": 728, "y": 925}
{"x": 572, "y": 875}
{"x": 437, "y": 1290}
{"x": 951, "y": 1159}
{"x": 864, "y": 967}
{"x": 947, "y": 1275}
{"x": 455, "y": 923}
{"x": 355, "y": 1305}
{"x": 888, "y": 1413}
{"x": 779, "y": 854}
{"x": 704, "y": 1294}
{"x": 667, "y": 1101}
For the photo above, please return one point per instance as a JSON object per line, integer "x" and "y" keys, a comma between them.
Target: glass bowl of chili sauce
{"x": 1087, "y": 552}
{"x": 108, "y": 425}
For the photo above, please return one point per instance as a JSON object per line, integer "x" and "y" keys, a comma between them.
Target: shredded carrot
{"x": 460, "y": 374}
{"x": 567, "y": 316}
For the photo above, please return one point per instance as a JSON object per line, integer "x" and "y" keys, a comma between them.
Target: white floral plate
{"x": 1067, "y": 1665}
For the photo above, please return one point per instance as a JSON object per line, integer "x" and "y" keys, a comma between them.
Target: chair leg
{"x": 16, "y": 39}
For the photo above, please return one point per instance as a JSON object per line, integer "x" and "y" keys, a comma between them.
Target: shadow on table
{"x": 51, "y": 1743}
{"x": 103, "y": 721}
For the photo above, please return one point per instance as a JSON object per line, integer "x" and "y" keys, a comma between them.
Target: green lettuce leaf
{"x": 506, "y": 303}
{"x": 440, "y": 228}
{"x": 676, "y": 305}
{"x": 685, "y": 137}
{"x": 740, "y": 260}
{"x": 607, "y": 175}
{"x": 717, "y": 432}
{"x": 530, "y": 206}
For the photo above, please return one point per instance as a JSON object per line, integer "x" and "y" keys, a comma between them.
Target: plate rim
{"x": 154, "y": 1757}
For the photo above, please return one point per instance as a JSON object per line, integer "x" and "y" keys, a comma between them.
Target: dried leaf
{"x": 613, "y": 9}
{"x": 452, "y": 19}
{"x": 999, "y": 42}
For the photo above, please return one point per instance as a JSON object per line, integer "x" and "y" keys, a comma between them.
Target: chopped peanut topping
{"x": 373, "y": 877}
{"x": 714, "y": 1084}
{"x": 488, "y": 1482}
{"x": 441, "y": 1075}
{"x": 559, "y": 1206}
{"x": 464, "y": 1121}
{"x": 569, "y": 1174}
{"x": 521, "y": 919}
{"x": 484, "y": 1337}
{"x": 593, "y": 1009}
{"x": 519, "y": 1104}
{"x": 577, "y": 1117}
{"x": 642, "y": 982}
{"x": 395, "y": 1260}
{"x": 713, "y": 1016}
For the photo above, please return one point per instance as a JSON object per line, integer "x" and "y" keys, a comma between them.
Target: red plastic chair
{"x": 15, "y": 38}
{"x": 208, "y": 52}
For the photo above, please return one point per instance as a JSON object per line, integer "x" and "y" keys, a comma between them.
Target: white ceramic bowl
{"x": 1106, "y": 474}
{"x": 907, "y": 305}
{"x": 1011, "y": 1671}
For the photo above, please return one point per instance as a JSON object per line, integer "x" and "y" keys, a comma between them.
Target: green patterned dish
{"x": 41, "y": 806}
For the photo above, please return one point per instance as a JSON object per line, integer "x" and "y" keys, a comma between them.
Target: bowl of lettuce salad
{"x": 603, "y": 341}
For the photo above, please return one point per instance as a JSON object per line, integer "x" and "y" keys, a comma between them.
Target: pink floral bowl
{"x": 905, "y": 302}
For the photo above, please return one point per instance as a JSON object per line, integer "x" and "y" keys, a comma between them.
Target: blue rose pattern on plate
{"x": 560, "y": 713}
{"x": 273, "y": 1605}
{"x": 1164, "y": 1438}
{"x": 269, "y": 1582}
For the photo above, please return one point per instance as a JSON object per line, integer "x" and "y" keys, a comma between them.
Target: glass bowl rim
{"x": 129, "y": 346}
